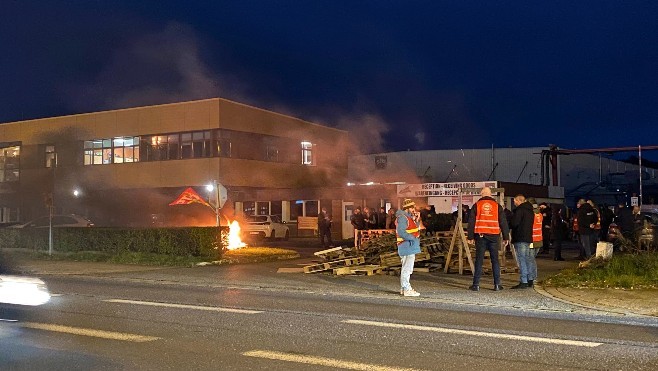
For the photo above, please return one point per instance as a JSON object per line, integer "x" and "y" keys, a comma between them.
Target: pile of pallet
{"x": 378, "y": 254}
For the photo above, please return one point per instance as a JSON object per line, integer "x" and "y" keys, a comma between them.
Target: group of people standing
{"x": 371, "y": 219}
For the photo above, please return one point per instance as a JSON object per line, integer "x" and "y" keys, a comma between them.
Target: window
{"x": 272, "y": 154}
{"x": 224, "y": 147}
{"x": 195, "y": 144}
{"x": 125, "y": 149}
{"x": 107, "y": 151}
{"x": 262, "y": 208}
{"x": 9, "y": 164}
{"x": 186, "y": 145}
{"x": 51, "y": 156}
{"x": 307, "y": 153}
{"x": 201, "y": 144}
{"x": 248, "y": 207}
{"x": 173, "y": 145}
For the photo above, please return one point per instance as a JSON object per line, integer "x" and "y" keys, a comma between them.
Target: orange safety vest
{"x": 536, "y": 227}
{"x": 412, "y": 229}
{"x": 486, "y": 219}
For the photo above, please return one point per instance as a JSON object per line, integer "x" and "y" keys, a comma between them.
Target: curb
{"x": 561, "y": 297}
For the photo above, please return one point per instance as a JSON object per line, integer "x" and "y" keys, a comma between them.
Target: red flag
{"x": 189, "y": 196}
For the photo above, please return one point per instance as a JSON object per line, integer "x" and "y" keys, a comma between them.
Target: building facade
{"x": 123, "y": 167}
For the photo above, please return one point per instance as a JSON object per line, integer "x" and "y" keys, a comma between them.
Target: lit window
{"x": 107, "y": 151}
{"x": 307, "y": 153}
{"x": 51, "y": 156}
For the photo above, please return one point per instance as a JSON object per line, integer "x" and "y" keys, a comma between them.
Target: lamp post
{"x": 210, "y": 188}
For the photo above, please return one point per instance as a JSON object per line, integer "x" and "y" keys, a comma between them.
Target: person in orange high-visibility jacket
{"x": 485, "y": 224}
{"x": 537, "y": 241}
{"x": 407, "y": 234}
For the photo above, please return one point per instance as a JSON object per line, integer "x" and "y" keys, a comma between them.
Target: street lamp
{"x": 77, "y": 193}
{"x": 210, "y": 188}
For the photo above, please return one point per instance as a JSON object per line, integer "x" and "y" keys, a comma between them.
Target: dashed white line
{"x": 90, "y": 332}
{"x": 183, "y": 306}
{"x": 477, "y": 333}
{"x": 321, "y": 361}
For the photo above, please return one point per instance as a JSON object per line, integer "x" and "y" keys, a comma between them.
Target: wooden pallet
{"x": 312, "y": 268}
{"x": 368, "y": 270}
{"x": 392, "y": 259}
{"x": 331, "y": 254}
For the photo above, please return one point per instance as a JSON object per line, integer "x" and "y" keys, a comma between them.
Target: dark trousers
{"x": 482, "y": 244}
{"x": 586, "y": 241}
{"x": 325, "y": 232}
{"x": 557, "y": 244}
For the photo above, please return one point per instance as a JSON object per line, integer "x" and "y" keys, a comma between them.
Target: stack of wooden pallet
{"x": 377, "y": 255}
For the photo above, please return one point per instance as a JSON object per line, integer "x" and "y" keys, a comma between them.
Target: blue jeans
{"x": 532, "y": 264}
{"x": 482, "y": 244}
{"x": 523, "y": 256}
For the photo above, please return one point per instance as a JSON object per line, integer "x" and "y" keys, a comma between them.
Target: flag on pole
{"x": 189, "y": 196}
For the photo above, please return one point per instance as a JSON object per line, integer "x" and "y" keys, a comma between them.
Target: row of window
{"x": 174, "y": 146}
{"x": 196, "y": 144}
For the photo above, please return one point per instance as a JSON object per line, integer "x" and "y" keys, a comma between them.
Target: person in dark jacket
{"x": 486, "y": 222}
{"x": 560, "y": 233}
{"x": 624, "y": 220}
{"x": 586, "y": 222}
{"x": 381, "y": 218}
{"x": 324, "y": 228}
{"x": 521, "y": 225}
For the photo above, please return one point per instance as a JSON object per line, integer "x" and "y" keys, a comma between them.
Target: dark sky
{"x": 403, "y": 74}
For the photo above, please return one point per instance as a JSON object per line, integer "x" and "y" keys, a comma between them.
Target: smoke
{"x": 366, "y": 132}
{"x": 162, "y": 67}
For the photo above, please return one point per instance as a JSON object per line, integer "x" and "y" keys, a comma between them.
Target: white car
{"x": 265, "y": 226}
{"x": 70, "y": 220}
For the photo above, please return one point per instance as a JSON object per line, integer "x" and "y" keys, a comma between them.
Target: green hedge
{"x": 196, "y": 241}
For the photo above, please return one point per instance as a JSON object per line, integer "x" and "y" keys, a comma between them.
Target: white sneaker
{"x": 401, "y": 291}
{"x": 411, "y": 292}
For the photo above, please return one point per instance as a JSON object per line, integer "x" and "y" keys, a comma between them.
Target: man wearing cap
{"x": 408, "y": 240}
{"x": 485, "y": 224}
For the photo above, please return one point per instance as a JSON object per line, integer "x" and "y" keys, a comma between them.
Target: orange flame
{"x": 234, "y": 241}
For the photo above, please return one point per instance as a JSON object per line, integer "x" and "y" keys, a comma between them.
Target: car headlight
{"x": 23, "y": 291}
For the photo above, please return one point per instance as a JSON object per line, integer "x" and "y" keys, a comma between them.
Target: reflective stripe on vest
{"x": 536, "y": 228}
{"x": 486, "y": 219}
{"x": 412, "y": 229}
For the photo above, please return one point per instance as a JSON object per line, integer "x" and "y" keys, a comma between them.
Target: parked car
{"x": 70, "y": 220}
{"x": 265, "y": 226}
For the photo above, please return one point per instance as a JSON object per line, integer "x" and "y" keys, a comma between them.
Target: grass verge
{"x": 627, "y": 271}
{"x": 240, "y": 256}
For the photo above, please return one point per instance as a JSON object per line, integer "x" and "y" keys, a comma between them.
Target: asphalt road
{"x": 114, "y": 324}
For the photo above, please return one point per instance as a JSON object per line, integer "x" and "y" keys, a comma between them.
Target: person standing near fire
{"x": 324, "y": 228}
{"x": 486, "y": 222}
{"x": 407, "y": 234}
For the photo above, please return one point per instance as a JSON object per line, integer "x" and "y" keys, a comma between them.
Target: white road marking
{"x": 321, "y": 361}
{"x": 90, "y": 332}
{"x": 477, "y": 333}
{"x": 183, "y": 306}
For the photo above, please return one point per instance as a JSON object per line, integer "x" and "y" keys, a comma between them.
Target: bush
{"x": 623, "y": 271}
{"x": 194, "y": 241}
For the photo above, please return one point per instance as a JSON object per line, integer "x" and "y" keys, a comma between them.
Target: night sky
{"x": 401, "y": 74}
